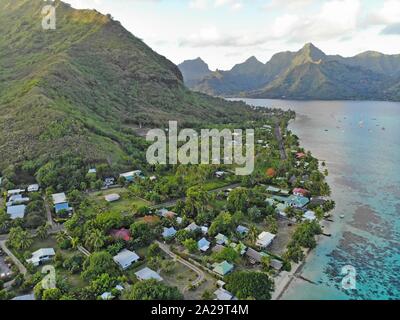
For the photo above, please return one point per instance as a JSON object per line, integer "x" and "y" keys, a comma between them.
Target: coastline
{"x": 285, "y": 279}
{"x": 368, "y": 203}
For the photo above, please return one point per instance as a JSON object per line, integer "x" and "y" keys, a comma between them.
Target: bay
{"x": 360, "y": 142}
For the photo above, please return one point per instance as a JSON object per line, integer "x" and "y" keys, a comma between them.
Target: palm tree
{"x": 61, "y": 236}
{"x": 20, "y": 238}
{"x": 272, "y": 224}
{"x": 43, "y": 231}
{"x": 253, "y": 233}
{"x": 4, "y": 225}
{"x": 95, "y": 239}
{"x": 26, "y": 241}
{"x": 75, "y": 242}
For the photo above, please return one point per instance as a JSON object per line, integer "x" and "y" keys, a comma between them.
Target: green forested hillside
{"x": 326, "y": 79}
{"x": 75, "y": 95}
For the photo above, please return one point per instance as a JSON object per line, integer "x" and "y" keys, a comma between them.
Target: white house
{"x": 265, "y": 239}
{"x": 33, "y": 188}
{"x": 223, "y": 295}
{"x": 42, "y": 255}
{"x": 129, "y": 176}
{"x": 221, "y": 239}
{"x": 15, "y": 191}
{"x": 204, "y": 230}
{"x": 16, "y": 199}
{"x": 192, "y": 227}
{"x": 147, "y": 274}
{"x": 107, "y": 296}
{"x": 59, "y": 198}
{"x": 126, "y": 258}
{"x": 309, "y": 216}
{"x": 112, "y": 197}
{"x": 26, "y": 297}
{"x": 220, "y": 174}
{"x": 109, "y": 181}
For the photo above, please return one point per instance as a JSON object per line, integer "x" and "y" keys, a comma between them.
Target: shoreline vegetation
{"x": 166, "y": 207}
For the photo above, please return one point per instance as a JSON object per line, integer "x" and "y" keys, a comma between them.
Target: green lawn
{"x": 50, "y": 242}
{"x": 215, "y": 184}
{"x": 180, "y": 277}
{"x": 124, "y": 205}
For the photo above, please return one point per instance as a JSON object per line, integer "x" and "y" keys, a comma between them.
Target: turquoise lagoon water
{"x": 360, "y": 142}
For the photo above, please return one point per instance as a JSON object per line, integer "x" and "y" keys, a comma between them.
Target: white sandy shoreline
{"x": 285, "y": 279}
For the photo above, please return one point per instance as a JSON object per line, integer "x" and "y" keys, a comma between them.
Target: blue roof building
{"x": 242, "y": 230}
{"x": 169, "y": 232}
{"x": 298, "y": 201}
{"x": 16, "y": 211}
{"x": 203, "y": 244}
{"x": 62, "y": 206}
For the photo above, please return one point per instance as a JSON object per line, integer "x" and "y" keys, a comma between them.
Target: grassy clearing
{"x": 124, "y": 205}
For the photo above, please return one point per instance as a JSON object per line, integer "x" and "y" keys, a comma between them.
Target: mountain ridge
{"x": 368, "y": 75}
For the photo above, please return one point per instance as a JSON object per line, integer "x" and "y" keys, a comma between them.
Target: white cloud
{"x": 198, "y": 4}
{"x": 334, "y": 19}
{"x": 208, "y": 4}
{"x": 288, "y": 4}
{"x": 389, "y": 13}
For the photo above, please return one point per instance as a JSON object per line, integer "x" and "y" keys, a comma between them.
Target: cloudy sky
{"x": 226, "y": 32}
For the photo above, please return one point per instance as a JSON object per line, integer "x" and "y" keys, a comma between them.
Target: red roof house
{"x": 301, "y": 192}
{"x": 123, "y": 234}
{"x": 300, "y": 155}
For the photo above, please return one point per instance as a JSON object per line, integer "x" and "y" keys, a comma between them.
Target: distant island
{"x": 308, "y": 74}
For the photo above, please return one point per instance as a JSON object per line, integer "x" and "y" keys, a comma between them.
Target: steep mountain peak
{"x": 252, "y": 64}
{"x": 194, "y": 70}
{"x": 310, "y": 53}
{"x": 197, "y": 61}
{"x": 252, "y": 59}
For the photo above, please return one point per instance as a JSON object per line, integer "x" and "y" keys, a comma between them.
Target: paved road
{"x": 48, "y": 215}
{"x": 198, "y": 271}
{"x": 18, "y": 263}
{"x": 55, "y": 227}
{"x": 173, "y": 202}
{"x": 278, "y": 135}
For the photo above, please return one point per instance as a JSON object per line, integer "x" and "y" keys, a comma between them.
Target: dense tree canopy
{"x": 97, "y": 264}
{"x": 250, "y": 285}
